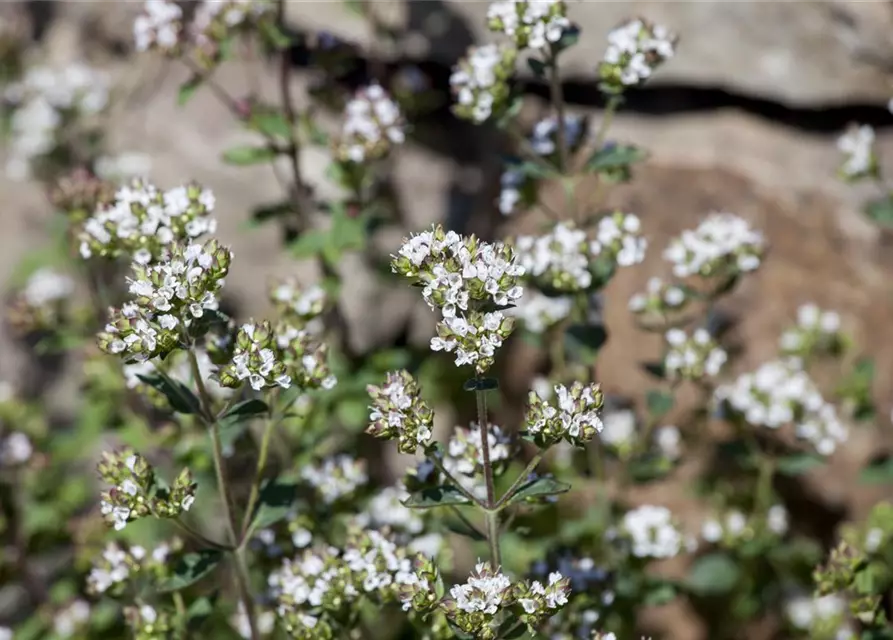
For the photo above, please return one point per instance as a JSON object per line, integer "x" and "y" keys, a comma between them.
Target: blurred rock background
{"x": 744, "y": 119}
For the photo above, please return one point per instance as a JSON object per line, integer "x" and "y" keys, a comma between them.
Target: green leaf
{"x": 270, "y": 123}
{"x": 878, "y": 471}
{"x": 713, "y": 574}
{"x": 536, "y": 170}
{"x": 246, "y": 410}
{"x": 348, "y": 232}
{"x": 660, "y": 594}
{"x": 179, "y": 396}
{"x": 245, "y": 155}
{"x": 188, "y": 89}
{"x": 881, "y": 211}
{"x": 199, "y": 611}
{"x": 442, "y": 496}
{"x": 267, "y": 212}
{"x": 191, "y": 568}
{"x": 309, "y": 244}
{"x": 613, "y": 162}
{"x": 481, "y": 384}
{"x": 798, "y": 463}
{"x": 539, "y": 488}
{"x": 537, "y": 67}
{"x": 585, "y": 339}
{"x": 274, "y": 36}
{"x": 275, "y": 501}
{"x": 659, "y": 402}
{"x": 568, "y": 39}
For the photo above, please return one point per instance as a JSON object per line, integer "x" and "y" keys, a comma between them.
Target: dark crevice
{"x": 657, "y": 99}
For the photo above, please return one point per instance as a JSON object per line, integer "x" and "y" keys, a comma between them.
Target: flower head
{"x": 480, "y": 81}
{"x": 723, "y": 245}
{"x": 529, "y": 23}
{"x": 373, "y": 125}
{"x": 336, "y": 477}
{"x": 465, "y": 278}
{"x": 781, "y": 393}
{"x": 652, "y": 532}
{"x": 398, "y": 412}
{"x": 693, "y": 357}
{"x": 857, "y": 146}
{"x": 574, "y": 419}
{"x": 168, "y": 298}
{"x": 635, "y": 49}
{"x": 144, "y": 222}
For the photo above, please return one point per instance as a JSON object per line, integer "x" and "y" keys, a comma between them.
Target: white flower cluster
{"x": 732, "y": 527}
{"x": 815, "y": 329}
{"x": 306, "y": 303}
{"x": 857, "y": 145}
{"x": 480, "y": 81}
{"x": 133, "y": 493}
{"x": 693, "y": 357}
{"x": 559, "y": 259}
{"x": 15, "y": 449}
{"x": 635, "y": 49}
{"x": 825, "y": 614}
{"x": 618, "y": 236}
{"x": 512, "y": 183}
{"x": 370, "y": 565}
{"x": 398, "y": 412}
{"x": 336, "y": 477}
{"x": 529, "y": 23}
{"x": 542, "y": 599}
{"x": 544, "y": 137}
{"x": 465, "y": 454}
{"x": 484, "y": 591}
{"x": 228, "y": 13}
{"x": 653, "y": 532}
{"x": 116, "y": 565}
{"x": 45, "y": 101}
{"x": 386, "y": 509}
{"x": 168, "y": 297}
{"x": 71, "y": 618}
{"x": 46, "y": 286}
{"x": 722, "y": 245}
{"x": 779, "y": 393}
{"x": 669, "y": 441}
{"x": 372, "y": 125}
{"x": 463, "y": 277}
{"x": 575, "y": 419}
{"x": 659, "y": 297}
{"x": 255, "y": 359}
{"x": 265, "y": 621}
{"x": 159, "y": 26}
{"x": 618, "y": 429}
{"x": 144, "y": 221}
{"x": 539, "y": 312}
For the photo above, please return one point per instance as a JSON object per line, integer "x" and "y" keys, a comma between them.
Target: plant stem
{"x": 223, "y": 486}
{"x": 271, "y": 425}
{"x": 557, "y": 92}
{"x": 519, "y": 480}
{"x": 607, "y": 119}
{"x": 492, "y": 515}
